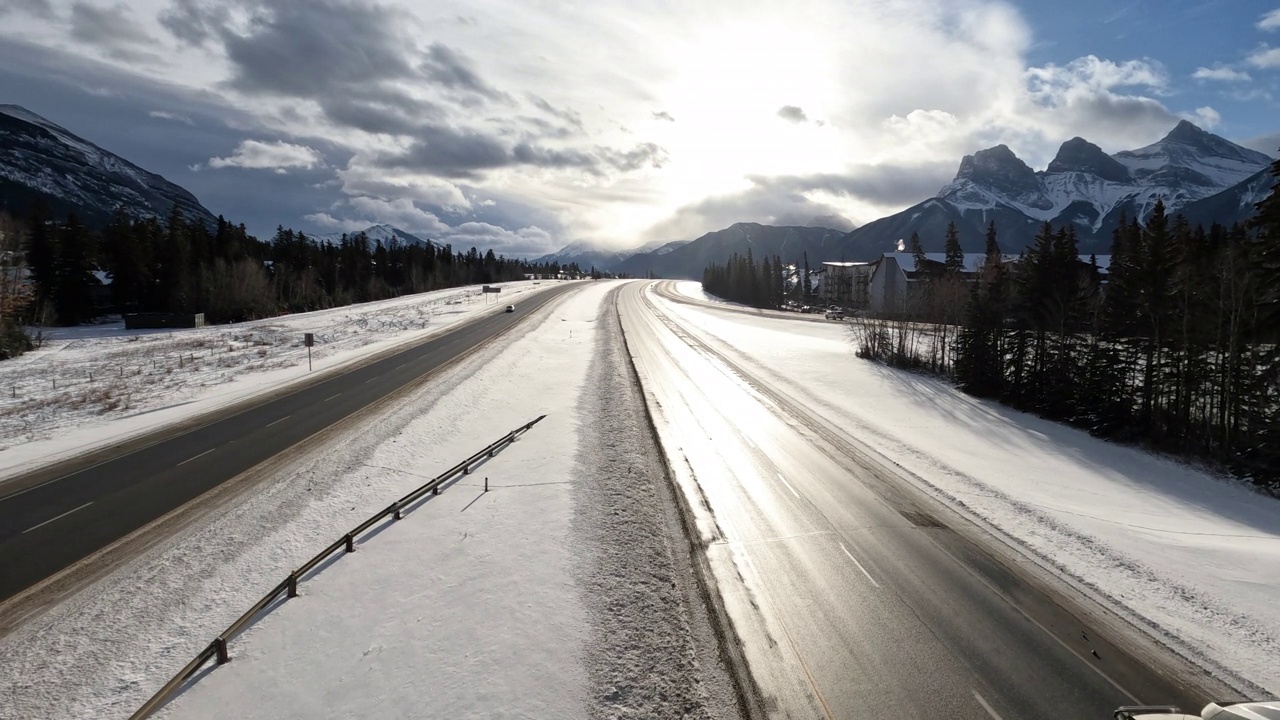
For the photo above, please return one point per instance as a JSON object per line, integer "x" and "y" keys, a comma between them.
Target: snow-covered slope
{"x": 384, "y": 233}
{"x": 39, "y": 160}
{"x": 586, "y": 255}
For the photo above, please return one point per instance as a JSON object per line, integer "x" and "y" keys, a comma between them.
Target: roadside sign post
{"x": 308, "y": 339}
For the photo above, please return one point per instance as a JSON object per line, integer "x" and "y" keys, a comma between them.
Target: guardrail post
{"x": 351, "y": 543}
{"x": 435, "y": 490}
{"x": 293, "y": 584}
{"x": 221, "y": 644}
{"x": 398, "y": 515}
{"x": 486, "y": 484}
{"x": 466, "y": 469}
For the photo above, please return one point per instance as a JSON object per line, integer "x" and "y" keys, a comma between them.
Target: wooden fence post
{"x": 351, "y": 543}
{"x": 293, "y": 584}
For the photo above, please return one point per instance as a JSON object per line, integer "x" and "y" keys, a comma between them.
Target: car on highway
{"x": 511, "y": 308}
{"x": 1266, "y": 710}
{"x": 835, "y": 314}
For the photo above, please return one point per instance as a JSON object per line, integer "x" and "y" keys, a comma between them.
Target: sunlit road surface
{"x": 850, "y": 598}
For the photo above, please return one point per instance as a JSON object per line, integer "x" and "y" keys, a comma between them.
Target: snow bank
{"x": 1192, "y": 557}
{"x": 91, "y": 386}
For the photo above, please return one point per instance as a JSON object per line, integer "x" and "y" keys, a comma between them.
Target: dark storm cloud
{"x": 38, "y": 8}
{"x": 449, "y": 152}
{"x": 450, "y": 69}
{"x": 462, "y": 154}
{"x": 791, "y": 113}
{"x": 194, "y": 21}
{"x": 310, "y": 49}
{"x": 384, "y": 111}
{"x": 113, "y": 30}
{"x": 878, "y": 184}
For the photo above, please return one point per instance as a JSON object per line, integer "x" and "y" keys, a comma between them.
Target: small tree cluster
{"x": 743, "y": 280}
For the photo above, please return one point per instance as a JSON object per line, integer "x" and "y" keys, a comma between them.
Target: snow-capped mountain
{"x": 688, "y": 260}
{"x": 39, "y": 159}
{"x": 586, "y": 255}
{"x": 385, "y": 233}
{"x": 1082, "y": 186}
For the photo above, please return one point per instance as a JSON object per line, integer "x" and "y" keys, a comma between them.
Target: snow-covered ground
{"x": 1191, "y": 557}
{"x": 91, "y": 386}
{"x": 559, "y": 593}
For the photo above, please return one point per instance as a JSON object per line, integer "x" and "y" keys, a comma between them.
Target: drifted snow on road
{"x": 1192, "y": 558}
{"x": 476, "y": 605}
{"x": 94, "y": 385}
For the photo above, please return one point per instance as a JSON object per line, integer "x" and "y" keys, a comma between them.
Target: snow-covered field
{"x": 556, "y": 594}
{"x": 1191, "y": 557}
{"x": 91, "y": 386}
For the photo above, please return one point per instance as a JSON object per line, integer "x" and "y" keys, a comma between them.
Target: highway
{"x": 851, "y": 595}
{"x": 63, "y": 513}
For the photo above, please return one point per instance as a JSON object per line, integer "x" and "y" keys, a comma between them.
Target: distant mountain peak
{"x": 1187, "y": 132}
{"x": 997, "y": 167}
{"x": 1080, "y": 155}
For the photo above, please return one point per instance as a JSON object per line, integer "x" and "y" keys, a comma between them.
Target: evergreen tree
{"x": 806, "y": 282}
{"x": 954, "y": 262}
{"x": 73, "y": 288}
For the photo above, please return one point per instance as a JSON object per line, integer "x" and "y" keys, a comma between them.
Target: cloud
{"x": 529, "y": 241}
{"x": 463, "y": 154}
{"x": 1222, "y": 73}
{"x": 663, "y": 115}
{"x": 194, "y": 21}
{"x": 450, "y": 69}
{"x": 35, "y": 8}
{"x": 166, "y": 115}
{"x": 1265, "y": 58}
{"x": 279, "y": 156}
{"x": 1206, "y": 117}
{"x": 360, "y": 179}
{"x": 1267, "y": 144}
{"x": 791, "y": 113}
{"x": 113, "y": 30}
{"x": 1270, "y": 21}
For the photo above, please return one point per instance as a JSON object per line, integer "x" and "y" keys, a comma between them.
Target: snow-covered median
{"x": 1193, "y": 558}
{"x": 91, "y": 386}
{"x": 560, "y": 593}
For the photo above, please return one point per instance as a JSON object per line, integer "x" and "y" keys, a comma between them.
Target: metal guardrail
{"x": 217, "y": 649}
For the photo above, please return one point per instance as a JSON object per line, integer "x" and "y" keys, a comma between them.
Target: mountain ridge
{"x": 41, "y": 160}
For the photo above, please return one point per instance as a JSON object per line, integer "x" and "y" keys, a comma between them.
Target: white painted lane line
{"x": 193, "y": 457}
{"x": 332, "y": 397}
{"x": 784, "y": 482}
{"x": 273, "y": 422}
{"x": 375, "y": 377}
{"x": 985, "y": 706}
{"x": 46, "y": 522}
{"x": 855, "y": 562}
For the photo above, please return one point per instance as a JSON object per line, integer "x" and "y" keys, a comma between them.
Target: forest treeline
{"x": 1172, "y": 345}
{"x": 183, "y": 266}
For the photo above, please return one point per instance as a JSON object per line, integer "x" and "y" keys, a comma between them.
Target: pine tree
{"x": 73, "y": 294}
{"x": 807, "y": 283}
{"x": 954, "y": 262}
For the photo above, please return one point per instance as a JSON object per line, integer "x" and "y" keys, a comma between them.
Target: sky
{"x": 526, "y": 125}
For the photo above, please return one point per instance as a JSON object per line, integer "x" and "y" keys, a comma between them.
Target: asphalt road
{"x": 71, "y": 510}
{"x": 853, "y": 597}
